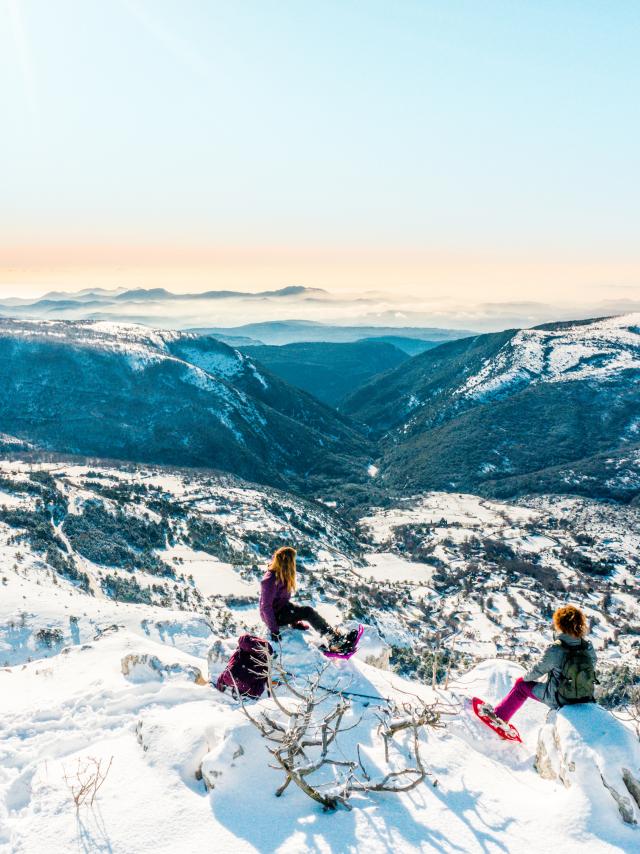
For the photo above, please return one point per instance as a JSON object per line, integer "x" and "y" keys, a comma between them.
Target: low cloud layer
{"x": 224, "y": 309}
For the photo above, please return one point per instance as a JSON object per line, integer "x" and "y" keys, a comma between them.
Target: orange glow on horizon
{"x": 467, "y": 276}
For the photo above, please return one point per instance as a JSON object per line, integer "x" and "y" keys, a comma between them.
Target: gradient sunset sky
{"x": 486, "y": 151}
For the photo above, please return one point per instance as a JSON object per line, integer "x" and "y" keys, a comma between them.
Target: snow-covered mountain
{"x": 514, "y": 412}
{"x": 129, "y": 392}
{"x": 560, "y": 352}
{"x": 549, "y": 410}
{"x": 116, "y": 583}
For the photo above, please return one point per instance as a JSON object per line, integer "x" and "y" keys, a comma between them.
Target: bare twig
{"x": 86, "y": 781}
{"x": 633, "y": 709}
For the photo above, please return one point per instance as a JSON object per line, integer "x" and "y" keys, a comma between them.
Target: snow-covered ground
{"x": 84, "y": 676}
{"x": 211, "y": 576}
{"x": 489, "y": 571}
{"x": 484, "y": 573}
{"x": 59, "y": 713}
{"x": 386, "y": 566}
{"x": 468, "y": 511}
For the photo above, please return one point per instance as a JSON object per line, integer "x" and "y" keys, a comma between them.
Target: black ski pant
{"x": 292, "y": 613}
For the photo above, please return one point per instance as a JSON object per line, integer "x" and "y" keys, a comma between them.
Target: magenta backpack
{"x": 246, "y": 670}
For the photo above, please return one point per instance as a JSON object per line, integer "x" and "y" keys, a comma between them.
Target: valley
{"x": 550, "y": 410}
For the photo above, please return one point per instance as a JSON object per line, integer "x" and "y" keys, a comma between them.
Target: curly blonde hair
{"x": 570, "y": 620}
{"x": 283, "y": 566}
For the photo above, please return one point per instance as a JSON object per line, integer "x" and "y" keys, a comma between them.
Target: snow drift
{"x": 588, "y": 747}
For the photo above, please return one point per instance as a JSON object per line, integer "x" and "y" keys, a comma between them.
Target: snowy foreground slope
{"x": 103, "y": 656}
{"x": 161, "y": 729}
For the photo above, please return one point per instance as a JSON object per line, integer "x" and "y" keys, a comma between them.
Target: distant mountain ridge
{"x": 103, "y": 295}
{"x": 280, "y": 332}
{"x": 213, "y": 312}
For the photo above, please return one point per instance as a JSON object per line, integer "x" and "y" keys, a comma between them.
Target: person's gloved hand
{"x": 276, "y": 637}
{"x": 519, "y": 679}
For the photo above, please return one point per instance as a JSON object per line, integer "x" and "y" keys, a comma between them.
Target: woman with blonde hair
{"x": 568, "y": 664}
{"x": 276, "y": 607}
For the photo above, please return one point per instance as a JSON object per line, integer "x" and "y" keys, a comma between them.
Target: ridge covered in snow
{"x": 561, "y": 353}
{"x": 142, "y": 344}
{"x": 550, "y": 409}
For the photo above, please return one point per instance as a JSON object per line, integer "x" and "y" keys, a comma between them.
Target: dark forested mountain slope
{"x": 128, "y": 392}
{"x": 489, "y": 412}
{"x": 553, "y": 409}
{"x": 328, "y": 371}
{"x": 425, "y": 385}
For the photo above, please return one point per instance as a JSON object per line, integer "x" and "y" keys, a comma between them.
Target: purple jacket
{"x": 273, "y": 596}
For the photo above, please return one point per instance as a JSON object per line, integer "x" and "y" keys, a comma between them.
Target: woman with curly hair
{"x": 568, "y": 664}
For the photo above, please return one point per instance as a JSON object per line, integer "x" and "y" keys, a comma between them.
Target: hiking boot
{"x": 343, "y": 643}
{"x": 489, "y": 712}
{"x": 332, "y": 640}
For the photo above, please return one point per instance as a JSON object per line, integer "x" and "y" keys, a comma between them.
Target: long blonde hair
{"x": 283, "y": 567}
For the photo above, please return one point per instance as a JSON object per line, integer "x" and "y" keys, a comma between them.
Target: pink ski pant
{"x": 517, "y": 696}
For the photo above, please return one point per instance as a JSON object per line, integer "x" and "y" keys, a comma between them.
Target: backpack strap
{"x": 571, "y": 647}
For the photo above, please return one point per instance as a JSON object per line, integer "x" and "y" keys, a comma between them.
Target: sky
{"x": 473, "y": 152}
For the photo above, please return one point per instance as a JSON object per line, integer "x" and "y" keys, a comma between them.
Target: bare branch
{"x": 86, "y": 781}
{"x": 303, "y": 740}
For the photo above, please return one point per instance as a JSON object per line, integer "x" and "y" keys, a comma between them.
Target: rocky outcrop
{"x": 222, "y": 759}
{"x": 374, "y": 650}
{"x": 144, "y": 667}
{"x": 587, "y": 746}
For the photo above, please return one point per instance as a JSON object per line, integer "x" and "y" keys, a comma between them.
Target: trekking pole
{"x": 335, "y": 691}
